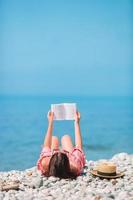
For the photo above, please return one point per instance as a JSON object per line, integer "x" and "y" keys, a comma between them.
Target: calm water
{"x": 106, "y": 124}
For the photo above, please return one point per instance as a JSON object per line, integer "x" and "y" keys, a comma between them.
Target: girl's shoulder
{"x": 77, "y": 158}
{"x": 78, "y": 152}
{"x": 45, "y": 163}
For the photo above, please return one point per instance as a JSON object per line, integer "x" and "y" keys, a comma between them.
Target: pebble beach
{"x": 31, "y": 185}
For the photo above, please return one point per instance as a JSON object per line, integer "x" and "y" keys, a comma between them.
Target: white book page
{"x": 64, "y": 111}
{"x": 70, "y": 109}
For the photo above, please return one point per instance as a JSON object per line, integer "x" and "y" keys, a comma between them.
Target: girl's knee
{"x": 55, "y": 142}
{"x": 54, "y": 137}
{"x": 65, "y": 137}
{"x": 67, "y": 143}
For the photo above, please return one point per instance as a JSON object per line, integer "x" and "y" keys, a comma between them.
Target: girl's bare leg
{"x": 66, "y": 143}
{"x": 55, "y": 143}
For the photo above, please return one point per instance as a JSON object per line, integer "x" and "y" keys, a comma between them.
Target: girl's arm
{"x": 78, "y": 137}
{"x": 48, "y": 136}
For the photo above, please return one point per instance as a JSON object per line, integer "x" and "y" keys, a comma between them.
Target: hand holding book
{"x": 77, "y": 117}
{"x": 50, "y": 116}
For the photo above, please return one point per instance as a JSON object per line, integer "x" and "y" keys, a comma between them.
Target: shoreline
{"x": 33, "y": 186}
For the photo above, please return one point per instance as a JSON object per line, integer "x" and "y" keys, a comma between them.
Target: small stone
{"x": 29, "y": 173}
{"x": 10, "y": 187}
{"x": 114, "y": 181}
{"x": 53, "y": 179}
{"x": 111, "y": 196}
{"x": 123, "y": 195}
{"x": 36, "y": 182}
{"x": 1, "y": 196}
{"x": 98, "y": 198}
{"x": 50, "y": 198}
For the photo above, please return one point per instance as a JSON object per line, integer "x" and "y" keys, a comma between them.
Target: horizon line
{"x": 63, "y": 95}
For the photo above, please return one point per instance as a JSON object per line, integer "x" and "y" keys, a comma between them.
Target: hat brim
{"x": 94, "y": 172}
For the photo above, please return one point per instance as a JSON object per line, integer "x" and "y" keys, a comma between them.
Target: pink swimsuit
{"x": 77, "y": 157}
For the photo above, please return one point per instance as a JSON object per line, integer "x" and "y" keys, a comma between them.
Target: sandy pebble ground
{"x": 32, "y": 186}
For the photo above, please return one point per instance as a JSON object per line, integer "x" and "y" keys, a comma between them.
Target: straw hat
{"x": 106, "y": 170}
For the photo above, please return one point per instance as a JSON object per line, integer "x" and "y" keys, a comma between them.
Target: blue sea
{"x": 106, "y": 125}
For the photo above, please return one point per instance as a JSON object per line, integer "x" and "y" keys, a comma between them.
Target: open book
{"x": 64, "y": 111}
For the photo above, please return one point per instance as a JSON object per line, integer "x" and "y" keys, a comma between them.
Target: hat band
{"x": 106, "y": 174}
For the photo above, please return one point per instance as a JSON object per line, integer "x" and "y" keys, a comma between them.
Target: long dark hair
{"x": 59, "y": 166}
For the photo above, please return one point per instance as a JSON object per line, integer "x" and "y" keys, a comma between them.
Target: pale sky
{"x": 73, "y": 47}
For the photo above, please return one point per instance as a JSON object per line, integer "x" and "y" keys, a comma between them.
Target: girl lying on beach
{"x": 67, "y": 161}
